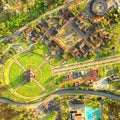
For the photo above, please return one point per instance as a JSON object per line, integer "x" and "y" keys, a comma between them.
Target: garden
{"x": 18, "y": 84}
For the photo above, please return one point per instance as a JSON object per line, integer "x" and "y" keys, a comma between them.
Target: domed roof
{"x": 99, "y": 7}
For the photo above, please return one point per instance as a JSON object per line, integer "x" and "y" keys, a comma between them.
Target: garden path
{"x": 22, "y": 83}
{"x": 16, "y": 61}
{"x": 43, "y": 88}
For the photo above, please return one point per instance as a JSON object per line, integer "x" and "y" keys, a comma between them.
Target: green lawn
{"x": 40, "y": 49}
{"x": 31, "y": 60}
{"x": 33, "y": 83}
{"x": 51, "y": 116}
{"x": 109, "y": 73}
{"x": 29, "y": 91}
{"x": 15, "y": 75}
{"x": 101, "y": 73}
{"x": 55, "y": 62}
{"x": 39, "y": 75}
{"x": 93, "y": 104}
{"x": 75, "y": 59}
{"x": 46, "y": 75}
{"x": 31, "y": 65}
{"x": 117, "y": 69}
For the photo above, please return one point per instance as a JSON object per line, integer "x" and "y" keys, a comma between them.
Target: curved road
{"x": 62, "y": 92}
{"x": 84, "y": 92}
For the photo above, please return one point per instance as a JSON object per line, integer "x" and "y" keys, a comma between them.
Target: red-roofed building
{"x": 93, "y": 76}
{"x": 76, "y": 80}
{"x": 28, "y": 32}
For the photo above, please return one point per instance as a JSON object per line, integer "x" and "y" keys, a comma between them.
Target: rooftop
{"x": 99, "y": 7}
{"x": 30, "y": 75}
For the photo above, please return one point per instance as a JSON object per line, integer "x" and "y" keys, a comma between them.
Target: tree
{"x": 60, "y": 22}
{"x": 37, "y": 29}
{"x": 2, "y": 26}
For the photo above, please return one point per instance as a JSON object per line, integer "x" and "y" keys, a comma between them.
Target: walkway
{"x": 43, "y": 62}
{"x": 17, "y": 62}
{"x": 21, "y": 84}
{"x": 63, "y": 69}
{"x": 43, "y": 88}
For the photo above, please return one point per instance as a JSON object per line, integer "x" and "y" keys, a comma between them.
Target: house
{"x": 91, "y": 76}
{"x": 31, "y": 34}
{"x": 28, "y": 33}
{"x": 76, "y": 109}
{"x": 76, "y": 79}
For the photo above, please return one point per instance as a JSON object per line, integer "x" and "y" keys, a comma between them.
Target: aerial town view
{"x": 59, "y": 59}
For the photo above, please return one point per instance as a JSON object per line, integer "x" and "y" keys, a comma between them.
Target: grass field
{"x": 39, "y": 75}
{"x": 29, "y": 91}
{"x": 16, "y": 75}
{"x": 31, "y": 59}
{"x": 46, "y": 75}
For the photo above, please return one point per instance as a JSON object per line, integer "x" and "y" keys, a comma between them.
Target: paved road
{"x": 78, "y": 92}
{"x": 18, "y": 32}
{"x": 85, "y": 65}
{"x": 63, "y": 92}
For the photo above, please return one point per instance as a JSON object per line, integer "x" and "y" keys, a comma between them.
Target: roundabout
{"x": 18, "y": 85}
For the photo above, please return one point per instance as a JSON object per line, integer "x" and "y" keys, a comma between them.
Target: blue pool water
{"x": 92, "y": 114}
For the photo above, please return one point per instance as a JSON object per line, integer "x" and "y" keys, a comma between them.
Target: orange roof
{"x": 45, "y": 106}
{"x": 27, "y": 33}
{"x": 89, "y": 78}
{"x": 99, "y": 18}
{"x": 93, "y": 76}
{"x": 78, "y": 118}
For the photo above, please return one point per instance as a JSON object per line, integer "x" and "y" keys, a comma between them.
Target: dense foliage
{"x": 111, "y": 110}
{"x": 20, "y": 19}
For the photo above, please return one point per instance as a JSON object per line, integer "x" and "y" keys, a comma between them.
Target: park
{"x": 15, "y": 80}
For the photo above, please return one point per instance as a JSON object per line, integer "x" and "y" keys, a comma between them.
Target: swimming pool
{"x": 92, "y": 114}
